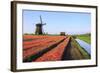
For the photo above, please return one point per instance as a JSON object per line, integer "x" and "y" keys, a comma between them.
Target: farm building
{"x": 62, "y": 33}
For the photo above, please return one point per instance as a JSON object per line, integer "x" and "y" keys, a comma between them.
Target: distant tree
{"x": 25, "y": 33}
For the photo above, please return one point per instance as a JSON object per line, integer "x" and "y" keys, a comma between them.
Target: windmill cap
{"x": 39, "y": 24}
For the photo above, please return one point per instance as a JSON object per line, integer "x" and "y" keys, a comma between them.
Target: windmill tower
{"x": 39, "y": 27}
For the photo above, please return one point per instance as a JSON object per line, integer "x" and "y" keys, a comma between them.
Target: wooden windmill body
{"x": 39, "y": 27}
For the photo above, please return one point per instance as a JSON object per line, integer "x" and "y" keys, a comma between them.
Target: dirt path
{"x": 72, "y": 52}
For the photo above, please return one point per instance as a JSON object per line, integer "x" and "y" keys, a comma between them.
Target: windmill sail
{"x": 40, "y": 19}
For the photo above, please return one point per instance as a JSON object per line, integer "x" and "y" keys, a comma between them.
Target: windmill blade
{"x": 44, "y": 24}
{"x": 40, "y": 19}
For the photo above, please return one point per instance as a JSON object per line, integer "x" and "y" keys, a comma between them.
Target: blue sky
{"x": 56, "y": 22}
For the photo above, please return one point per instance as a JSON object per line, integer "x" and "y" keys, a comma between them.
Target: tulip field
{"x": 43, "y": 48}
{"x": 40, "y": 48}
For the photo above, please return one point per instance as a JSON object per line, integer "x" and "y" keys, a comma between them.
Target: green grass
{"x": 85, "y": 37}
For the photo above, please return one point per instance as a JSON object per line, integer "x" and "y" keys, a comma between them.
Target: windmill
{"x": 39, "y": 27}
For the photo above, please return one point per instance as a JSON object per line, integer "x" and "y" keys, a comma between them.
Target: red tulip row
{"x": 34, "y": 46}
{"x": 35, "y": 43}
{"x": 25, "y": 37}
{"x": 56, "y": 53}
